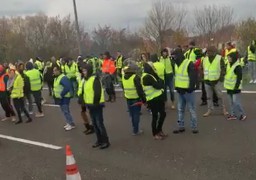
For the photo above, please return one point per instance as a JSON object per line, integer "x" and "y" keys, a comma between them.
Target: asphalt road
{"x": 222, "y": 150}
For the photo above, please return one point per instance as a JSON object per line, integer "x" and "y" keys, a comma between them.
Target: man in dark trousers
{"x": 5, "y": 96}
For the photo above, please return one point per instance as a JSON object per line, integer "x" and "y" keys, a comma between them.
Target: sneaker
{"x": 13, "y": 119}
{"x": 251, "y": 81}
{"x": 38, "y": 115}
{"x": 66, "y": 125}
{"x": 104, "y": 145}
{"x": 69, "y": 127}
{"x": 242, "y": 117}
{"x": 138, "y": 133}
{"x": 208, "y": 113}
{"x": 30, "y": 112}
{"x": 163, "y": 134}
{"x": 5, "y": 119}
{"x": 96, "y": 145}
{"x": 157, "y": 137}
{"x": 195, "y": 131}
{"x": 231, "y": 117}
{"x": 18, "y": 122}
{"x": 180, "y": 130}
{"x": 29, "y": 120}
{"x": 254, "y": 81}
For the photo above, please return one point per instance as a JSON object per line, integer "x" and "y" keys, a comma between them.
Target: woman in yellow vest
{"x": 94, "y": 100}
{"x": 80, "y": 93}
{"x": 134, "y": 95}
{"x": 185, "y": 83}
{"x": 15, "y": 86}
{"x": 233, "y": 84}
{"x": 154, "y": 91}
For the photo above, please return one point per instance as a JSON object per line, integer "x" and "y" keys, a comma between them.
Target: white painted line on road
{"x": 49, "y": 146}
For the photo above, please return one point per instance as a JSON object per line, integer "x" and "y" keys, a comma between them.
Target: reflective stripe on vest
{"x": 160, "y": 70}
{"x": 2, "y": 83}
{"x": 130, "y": 91}
{"x": 212, "y": 70}
{"x": 181, "y": 75}
{"x": 251, "y": 55}
{"x": 89, "y": 92}
{"x": 231, "y": 77}
{"x": 35, "y": 79}
{"x": 150, "y": 91}
{"x": 58, "y": 88}
{"x": 167, "y": 64}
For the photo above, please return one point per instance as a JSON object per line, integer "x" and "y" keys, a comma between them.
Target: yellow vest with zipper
{"x": 17, "y": 88}
{"x": 167, "y": 64}
{"x": 159, "y": 69}
{"x": 35, "y": 79}
{"x": 130, "y": 91}
{"x": 150, "y": 91}
{"x": 89, "y": 92}
{"x": 231, "y": 77}
{"x": 58, "y": 88}
{"x": 181, "y": 75}
{"x": 212, "y": 70}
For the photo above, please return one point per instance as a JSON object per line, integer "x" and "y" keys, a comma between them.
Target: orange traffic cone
{"x": 72, "y": 172}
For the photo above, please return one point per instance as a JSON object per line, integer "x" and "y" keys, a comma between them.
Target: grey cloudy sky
{"x": 118, "y": 13}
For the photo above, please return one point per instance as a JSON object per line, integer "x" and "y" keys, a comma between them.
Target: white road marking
{"x": 49, "y": 146}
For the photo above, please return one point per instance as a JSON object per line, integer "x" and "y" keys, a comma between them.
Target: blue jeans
{"x": 134, "y": 112}
{"x": 168, "y": 78}
{"x": 96, "y": 114}
{"x": 187, "y": 98}
{"x": 65, "y": 109}
{"x": 236, "y": 108}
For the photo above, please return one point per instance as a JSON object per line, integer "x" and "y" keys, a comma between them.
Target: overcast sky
{"x": 118, "y": 13}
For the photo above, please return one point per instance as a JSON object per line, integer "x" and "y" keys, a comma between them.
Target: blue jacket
{"x": 67, "y": 87}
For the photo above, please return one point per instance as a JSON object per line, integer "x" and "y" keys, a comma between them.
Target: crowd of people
{"x": 144, "y": 82}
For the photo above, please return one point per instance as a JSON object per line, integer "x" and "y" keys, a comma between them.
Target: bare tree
{"x": 162, "y": 18}
{"x": 245, "y": 30}
{"x": 211, "y": 19}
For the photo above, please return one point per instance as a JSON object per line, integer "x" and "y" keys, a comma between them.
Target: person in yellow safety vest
{"x": 62, "y": 91}
{"x": 15, "y": 87}
{"x": 39, "y": 64}
{"x": 71, "y": 71}
{"x": 153, "y": 88}
{"x": 233, "y": 85}
{"x": 168, "y": 75}
{"x": 80, "y": 93}
{"x": 134, "y": 95}
{"x": 213, "y": 68}
{"x": 119, "y": 66}
{"x": 94, "y": 100}
{"x": 185, "y": 83}
{"x": 36, "y": 84}
{"x": 193, "y": 53}
{"x": 251, "y": 57}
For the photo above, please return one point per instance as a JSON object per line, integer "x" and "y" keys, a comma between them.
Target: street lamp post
{"x": 77, "y": 28}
